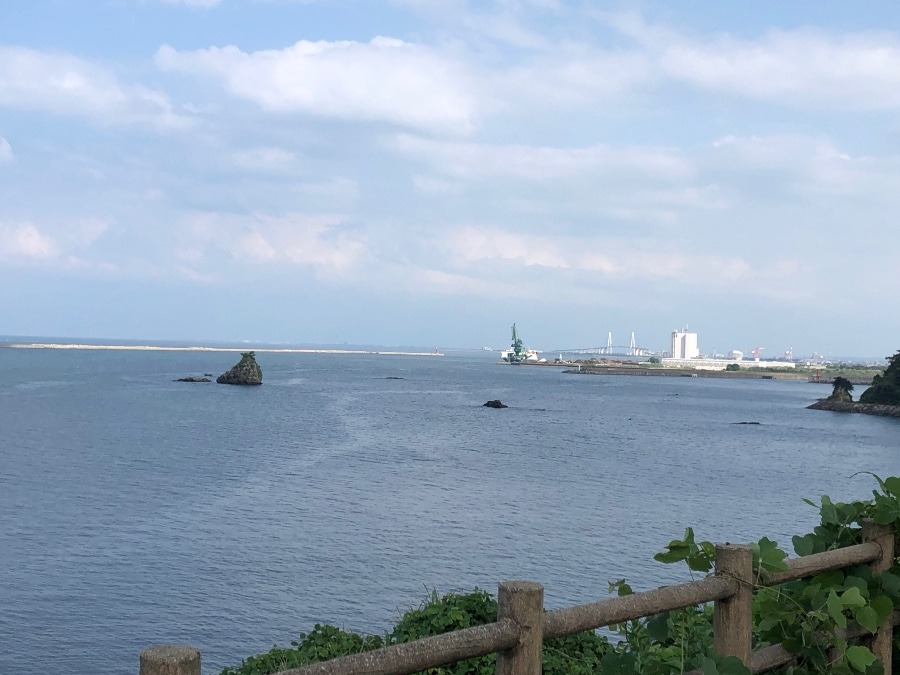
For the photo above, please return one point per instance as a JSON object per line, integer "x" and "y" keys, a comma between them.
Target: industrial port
{"x": 684, "y": 357}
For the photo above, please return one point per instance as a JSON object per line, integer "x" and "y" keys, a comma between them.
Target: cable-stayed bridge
{"x": 611, "y": 349}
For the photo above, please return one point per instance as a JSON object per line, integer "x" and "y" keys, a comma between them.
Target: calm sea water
{"x": 135, "y": 510}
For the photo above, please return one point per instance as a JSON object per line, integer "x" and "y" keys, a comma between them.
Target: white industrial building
{"x": 684, "y": 345}
{"x": 686, "y": 353}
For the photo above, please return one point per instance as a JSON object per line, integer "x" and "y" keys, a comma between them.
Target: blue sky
{"x": 426, "y": 172}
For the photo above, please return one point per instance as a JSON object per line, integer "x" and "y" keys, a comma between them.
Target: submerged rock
{"x": 193, "y": 378}
{"x": 246, "y": 371}
{"x": 495, "y": 404}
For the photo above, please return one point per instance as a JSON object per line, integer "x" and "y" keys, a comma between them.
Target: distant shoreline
{"x": 157, "y": 348}
{"x": 746, "y": 374}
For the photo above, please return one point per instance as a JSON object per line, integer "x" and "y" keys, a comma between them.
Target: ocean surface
{"x": 135, "y": 510}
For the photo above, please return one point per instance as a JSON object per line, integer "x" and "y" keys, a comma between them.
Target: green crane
{"x": 517, "y": 353}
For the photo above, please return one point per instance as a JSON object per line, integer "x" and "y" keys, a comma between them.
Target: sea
{"x": 135, "y": 510}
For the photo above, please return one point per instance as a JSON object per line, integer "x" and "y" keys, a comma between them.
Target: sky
{"x": 427, "y": 172}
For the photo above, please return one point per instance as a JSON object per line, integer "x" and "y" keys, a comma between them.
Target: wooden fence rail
{"x": 522, "y": 624}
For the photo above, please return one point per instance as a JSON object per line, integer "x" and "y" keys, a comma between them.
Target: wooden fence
{"x": 522, "y": 624}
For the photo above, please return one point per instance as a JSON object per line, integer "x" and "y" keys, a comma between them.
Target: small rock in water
{"x": 193, "y": 378}
{"x": 745, "y": 422}
{"x": 495, "y": 404}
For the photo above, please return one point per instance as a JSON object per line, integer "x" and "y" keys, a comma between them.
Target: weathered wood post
{"x": 523, "y": 603}
{"x": 170, "y": 660}
{"x": 883, "y": 536}
{"x": 733, "y": 617}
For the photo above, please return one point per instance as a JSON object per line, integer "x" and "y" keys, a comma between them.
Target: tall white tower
{"x": 684, "y": 345}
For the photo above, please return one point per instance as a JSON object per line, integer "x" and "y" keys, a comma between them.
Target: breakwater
{"x": 683, "y": 372}
{"x": 200, "y": 348}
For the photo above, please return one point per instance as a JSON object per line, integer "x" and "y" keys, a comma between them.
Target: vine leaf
{"x": 891, "y": 486}
{"x": 883, "y": 607}
{"x": 836, "y": 609}
{"x": 860, "y": 657}
{"x": 805, "y": 545}
{"x": 852, "y": 598}
{"x": 867, "y": 618}
{"x": 767, "y": 556}
{"x": 886, "y": 510}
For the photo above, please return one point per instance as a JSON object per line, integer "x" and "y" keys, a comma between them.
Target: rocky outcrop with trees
{"x": 882, "y": 398}
{"x": 885, "y": 389}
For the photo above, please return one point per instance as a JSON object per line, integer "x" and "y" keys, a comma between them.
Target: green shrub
{"x": 885, "y": 388}
{"x": 805, "y": 616}
{"x": 323, "y": 643}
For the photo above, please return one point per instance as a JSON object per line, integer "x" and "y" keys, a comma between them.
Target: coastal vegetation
{"x": 842, "y": 389}
{"x": 885, "y": 389}
{"x": 807, "y": 617}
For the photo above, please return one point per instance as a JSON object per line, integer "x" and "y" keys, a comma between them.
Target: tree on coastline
{"x": 885, "y": 388}
{"x": 842, "y": 389}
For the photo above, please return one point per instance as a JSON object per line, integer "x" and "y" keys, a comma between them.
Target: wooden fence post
{"x": 170, "y": 660}
{"x": 733, "y": 617}
{"x": 883, "y": 535}
{"x": 523, "y": 603}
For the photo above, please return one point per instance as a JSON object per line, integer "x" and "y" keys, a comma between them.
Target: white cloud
{"x": 804, "y": 67}
{"x": 572, "y": 76}
{"x": 67, "y": 85}
{"x": 25, "y": 241}
{"x": 808, "y": 166}
{"x": 341, "y": 190}
{"x": 266, "y": 159}
{"x": 384, "y": 80}
{"x": 540, "y": 163}
{"x": 321, "y": 243}
{"x": 429, "y": 185}
{"x": 6, "y": 151}
{"x": 193, "y": 3}
{"x": 89, "y": 230}
{"x": 621, "y": 261}
{"x": 474, "y": 244}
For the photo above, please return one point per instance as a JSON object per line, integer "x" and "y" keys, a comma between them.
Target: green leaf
{"x": 616, "y": 664}
{"x": 676, "y": 552}
{"x": 805, "y": 545}
{"x": 883, "y": 607}
{"x": 836, "y": 609}
{"x": 709, "y": 667}
{"x": 867, "y": 618}
{"x": 886, "y": 510}
{"x": 852, "y": 598}
{"x": 859, "y": 657}
{"x": 658, "y": 627}
{"x": 771, "y": 558}
{"x": 828, "y": 512}
{"x": 890, "y": 583}
{"x": 892, "y": 486}
{"x": 732, "y": 665}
